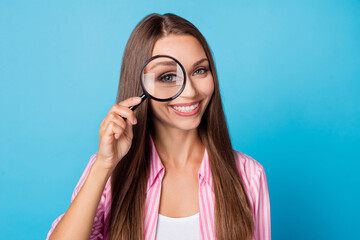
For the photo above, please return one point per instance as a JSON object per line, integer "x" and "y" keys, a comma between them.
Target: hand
{"x": 116, "y": 134}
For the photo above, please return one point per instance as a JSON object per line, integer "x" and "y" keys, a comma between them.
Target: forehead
{"x": 185, "y": 48}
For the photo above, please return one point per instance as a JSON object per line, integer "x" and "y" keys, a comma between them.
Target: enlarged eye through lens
{"x": 163, "y": 78}
{"x": 168, "y": 77}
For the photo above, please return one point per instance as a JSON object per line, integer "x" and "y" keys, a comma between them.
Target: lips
{"x": 185, "y": 104}
{"x": 186, "y": 109}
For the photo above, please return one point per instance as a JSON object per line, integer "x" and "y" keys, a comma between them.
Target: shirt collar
{"x": 157, "y": 167}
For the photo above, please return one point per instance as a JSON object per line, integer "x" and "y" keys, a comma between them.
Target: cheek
{"x": 157, "y": 107}
{"x": 206, "y": 86}
{"x": 211, "y": 87}
{"x": 153, "y": 105}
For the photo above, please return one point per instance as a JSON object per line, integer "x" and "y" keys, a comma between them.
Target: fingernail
{"x": 137, "y": 99}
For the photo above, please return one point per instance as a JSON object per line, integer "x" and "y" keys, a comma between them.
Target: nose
{"x": 190, "y": 89}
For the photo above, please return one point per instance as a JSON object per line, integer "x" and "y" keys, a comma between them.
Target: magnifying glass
{"x": 162, "y": 78}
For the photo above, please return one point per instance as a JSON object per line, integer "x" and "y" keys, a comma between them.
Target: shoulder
{"x": 250, "y": 170}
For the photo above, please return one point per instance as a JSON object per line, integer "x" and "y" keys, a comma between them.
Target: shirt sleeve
{"x": 261, "y": 210}
{"x": 97, "y": 231}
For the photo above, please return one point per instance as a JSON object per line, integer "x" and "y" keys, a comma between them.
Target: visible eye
{"x": 201, "y": 71}
{"x": 167, "y": 77}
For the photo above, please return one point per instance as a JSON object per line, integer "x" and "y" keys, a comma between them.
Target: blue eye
{"x": 201, "y": 71}
{"x": 167, "y": 78}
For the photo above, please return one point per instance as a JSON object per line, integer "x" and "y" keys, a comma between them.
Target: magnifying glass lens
{"x": 162, "y": 78}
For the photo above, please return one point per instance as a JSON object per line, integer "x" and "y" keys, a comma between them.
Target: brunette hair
{"x": 233, "y": 214}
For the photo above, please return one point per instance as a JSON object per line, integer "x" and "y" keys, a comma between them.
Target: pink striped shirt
{"x": 251, "y": 171}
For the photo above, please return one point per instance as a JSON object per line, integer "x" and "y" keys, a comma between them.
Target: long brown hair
{"x": 233, "y": 215}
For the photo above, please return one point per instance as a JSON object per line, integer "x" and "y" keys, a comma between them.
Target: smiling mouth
{"x": 186, "y": 107}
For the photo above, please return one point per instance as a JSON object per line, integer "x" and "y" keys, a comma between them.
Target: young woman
{"x": 163, "y": 174}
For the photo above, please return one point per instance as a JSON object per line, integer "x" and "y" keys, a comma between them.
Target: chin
{"x": 187, "y": 125}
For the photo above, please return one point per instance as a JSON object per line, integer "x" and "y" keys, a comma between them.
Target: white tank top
{"x": 178, "y": 228}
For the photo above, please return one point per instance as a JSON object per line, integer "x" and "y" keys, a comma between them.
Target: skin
{"x": 180, "y": 187}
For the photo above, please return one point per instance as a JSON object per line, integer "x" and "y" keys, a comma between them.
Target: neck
{"x": 178, "y": 148}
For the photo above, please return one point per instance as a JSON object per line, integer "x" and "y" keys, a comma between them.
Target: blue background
{"x": 289, "y": 76}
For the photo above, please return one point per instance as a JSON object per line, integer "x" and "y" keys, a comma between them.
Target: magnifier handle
{"x": 143, "y": 97}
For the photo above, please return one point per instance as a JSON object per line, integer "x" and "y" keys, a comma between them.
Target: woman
{"x": 161, "y": 174}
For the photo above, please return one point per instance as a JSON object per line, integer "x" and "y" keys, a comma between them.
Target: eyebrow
{"x": 172, "y": 63}
{"x": 165, "y": 63}
{"x": 200, "y": 61}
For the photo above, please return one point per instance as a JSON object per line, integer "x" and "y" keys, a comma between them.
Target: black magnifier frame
{"x": 148, "y": 95}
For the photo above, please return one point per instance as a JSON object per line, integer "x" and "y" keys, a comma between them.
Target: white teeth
{"x": 186, "y": 109}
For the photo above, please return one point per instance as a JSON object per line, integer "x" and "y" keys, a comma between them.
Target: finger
{"x": 130, "y": 102}
{"x": 111, "y": 130}
{"x": 114, "y": 117}
{"x": 124, "y": 112}
{"x": 128, "y": 132}
{"x": 117, "y": 108}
